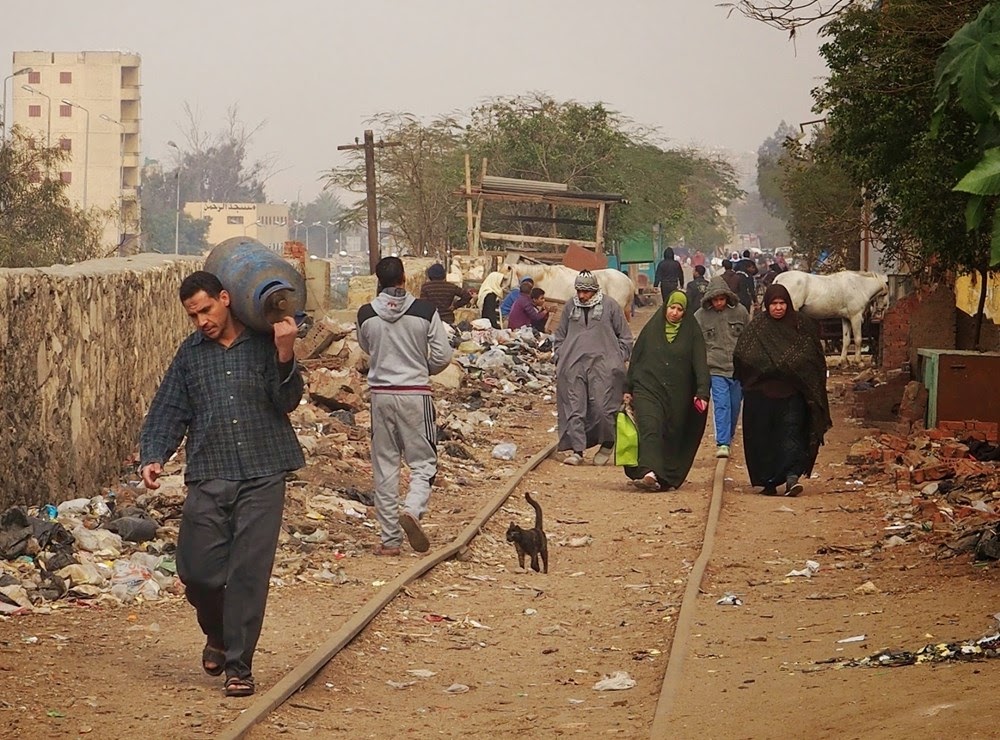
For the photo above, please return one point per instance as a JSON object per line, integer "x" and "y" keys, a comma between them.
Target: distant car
{"x": 346, "y": 270}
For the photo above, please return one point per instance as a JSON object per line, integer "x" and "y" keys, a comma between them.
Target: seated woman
{"x": 668, "y": 387}
{"x": 780, "y": 362}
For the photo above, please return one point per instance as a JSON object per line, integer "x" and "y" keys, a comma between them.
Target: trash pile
{"x": 950, "y": 489}
{"x": 119, "y": 546}
{"x": 968, "y": 650}
{"x": 116, "y": 546}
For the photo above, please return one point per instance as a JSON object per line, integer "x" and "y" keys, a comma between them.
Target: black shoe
{"x": 792, "y": 486}
{"x": 769, "y": 490}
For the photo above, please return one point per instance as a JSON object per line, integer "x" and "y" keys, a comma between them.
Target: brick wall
{"x": 82, "y": 349}
{"x": 925, "y": 318}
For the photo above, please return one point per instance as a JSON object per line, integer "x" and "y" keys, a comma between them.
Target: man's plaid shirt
{"x": 233, "y": 404}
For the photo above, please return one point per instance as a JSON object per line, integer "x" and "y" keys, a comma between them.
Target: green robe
{"x": 664, "y": 378}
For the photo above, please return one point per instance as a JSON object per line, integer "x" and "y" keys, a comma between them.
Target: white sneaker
{"x": 572, "y": 459}
{"x": 723, "y": 451}
{"x": 603, "y": 455}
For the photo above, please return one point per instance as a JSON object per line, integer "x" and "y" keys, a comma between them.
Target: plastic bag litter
{"x": 617, "y": 681}
{"x": 730, "y": 600}
{"x": 130, "y": 579}
{"x": 505, "y": 451}
{"x": 493, "y": 359}
{"x": 808, "y": 572}
{"x": 134, "y": 528}
{"x": 97, "y": 540}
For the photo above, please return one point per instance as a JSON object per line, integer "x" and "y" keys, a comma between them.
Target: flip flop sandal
{"x": 213, "y": 661}
{"x": 240, "y": 686}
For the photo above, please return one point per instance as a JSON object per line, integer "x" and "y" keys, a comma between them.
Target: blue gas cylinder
{"x": 263, "y": 287}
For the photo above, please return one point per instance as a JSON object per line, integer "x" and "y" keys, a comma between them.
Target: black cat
{"x": 530, "y": 541}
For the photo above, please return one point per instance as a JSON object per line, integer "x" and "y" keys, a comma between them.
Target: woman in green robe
{"x": 668, "y": 388}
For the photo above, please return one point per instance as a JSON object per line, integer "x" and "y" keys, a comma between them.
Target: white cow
{"x": 844, "y": 295}
{"x": 557, "y": 282}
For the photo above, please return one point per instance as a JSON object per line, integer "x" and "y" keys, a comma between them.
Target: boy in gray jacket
{"x": 407, "y": 343}
{"x": 722, "y": 318}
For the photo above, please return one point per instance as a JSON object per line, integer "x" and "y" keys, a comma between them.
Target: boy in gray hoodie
{"x": 407, "y": 343}
{"x": 722, "y": 318}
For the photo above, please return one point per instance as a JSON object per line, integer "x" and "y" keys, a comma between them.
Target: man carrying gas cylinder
{"x": 230, "y": 389}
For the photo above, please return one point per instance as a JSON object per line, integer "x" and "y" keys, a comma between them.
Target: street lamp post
{"x": 3, "y": 103}
{"x": 177, "y": 204}
{"x": 326, "y": 230}
{"x": 86, "y": 147}
{"x": 48, "y": 125}
{"x": 121, "y": 175}
{"x": 297, "y": 225}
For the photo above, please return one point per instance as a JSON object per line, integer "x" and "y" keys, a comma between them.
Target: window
{"x": 66, "y": 177}
{"x": 66, "y": 145}
{"x": 65, "y": 77}
{"x": 34, "y": 78}
{"x": 234, "y": 220}
{"x": 65, "y": 111}
{"x": 34, "y": 111}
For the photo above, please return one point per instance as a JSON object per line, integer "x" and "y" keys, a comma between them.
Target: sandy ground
{"x": 479, "y": 648}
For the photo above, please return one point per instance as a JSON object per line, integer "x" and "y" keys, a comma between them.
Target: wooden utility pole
{"x": 373, "y": 236}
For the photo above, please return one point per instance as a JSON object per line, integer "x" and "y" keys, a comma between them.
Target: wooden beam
{"x": 477, "y": 231}
{"x": 468, "y": 203}
{"x": 546, "y": 199}
{"x": 526, "y": 239}
{"x": 599, "y": 235}
{"x": 544, "y": 220}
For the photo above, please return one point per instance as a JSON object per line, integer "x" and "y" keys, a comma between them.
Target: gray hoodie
{"x": 721, "y": 328}
{"x": 406, "y": 340}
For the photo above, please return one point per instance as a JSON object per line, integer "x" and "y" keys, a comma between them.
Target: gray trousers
{"x": 225, "y": 551}
{"x": 403, "y": 428}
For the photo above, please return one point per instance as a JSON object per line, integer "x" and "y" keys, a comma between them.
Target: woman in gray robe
{"x": 591, "y": 346}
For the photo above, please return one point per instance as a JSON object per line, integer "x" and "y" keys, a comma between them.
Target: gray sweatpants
{"x": 403, "y": 428}
{"x": 225, "y": 550}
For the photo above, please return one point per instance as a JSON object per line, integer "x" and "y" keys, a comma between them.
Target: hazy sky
{"x": 313, "y": 71}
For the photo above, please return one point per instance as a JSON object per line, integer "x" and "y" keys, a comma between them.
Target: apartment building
{"x": 266, "y": 222}
{"x": 89, "y": 104}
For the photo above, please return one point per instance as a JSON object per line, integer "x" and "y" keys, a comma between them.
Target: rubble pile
{"x": 946, "y": 490}
{"x": 118, "y": 547}
{"x": 968, "y": 650}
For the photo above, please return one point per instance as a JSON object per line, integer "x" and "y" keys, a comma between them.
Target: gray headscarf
{"x": 587, "y": 280}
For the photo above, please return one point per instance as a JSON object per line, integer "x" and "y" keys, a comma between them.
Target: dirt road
{"x": 479, "y": 648}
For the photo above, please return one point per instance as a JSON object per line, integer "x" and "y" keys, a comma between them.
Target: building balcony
{"x": 131, "y": 92}
{"x": 131, "y": 127}
{"x": 130, "y": 160}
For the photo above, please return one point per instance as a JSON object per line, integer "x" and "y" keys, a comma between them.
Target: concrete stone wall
{"x": 82, "y": 350}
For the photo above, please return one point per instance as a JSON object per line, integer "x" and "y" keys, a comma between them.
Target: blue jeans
{"x": 727, "y": 395}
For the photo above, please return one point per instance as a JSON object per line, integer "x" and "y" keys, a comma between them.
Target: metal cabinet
{"x": 961, "y": 385}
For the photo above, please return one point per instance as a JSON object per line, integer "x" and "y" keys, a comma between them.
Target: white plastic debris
{"x": 808, "y": 572}
{"x": 730, "y": 600}
{"x": 505, "y": 451}
{"x": 856, "y": 638}
{"x": 617, "y": 681}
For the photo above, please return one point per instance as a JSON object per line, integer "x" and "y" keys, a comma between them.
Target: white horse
{"x": 557, "y": 282}
{"x": 844, "y": 295}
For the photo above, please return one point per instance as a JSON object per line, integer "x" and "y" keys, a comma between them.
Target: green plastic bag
{"x": 626, "y": 440}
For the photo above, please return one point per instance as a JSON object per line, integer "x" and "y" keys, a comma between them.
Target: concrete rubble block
{"x": 323, "y": 333}
{"x": 913, "y": 405}
{"x": 335, "y": 389}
